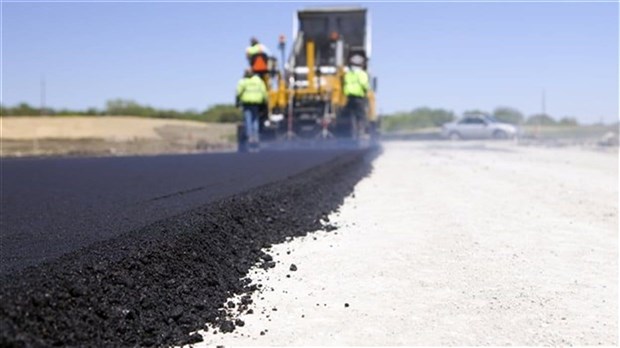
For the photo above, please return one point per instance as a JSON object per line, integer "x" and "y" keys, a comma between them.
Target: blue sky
{"x": 457, "y": 56}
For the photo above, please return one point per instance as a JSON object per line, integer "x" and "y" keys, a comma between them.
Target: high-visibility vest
{"x": 252, "y": 90}
{"x": 254, "y": 49}
{"x": 257, "y": 55}
{"x": 355, "y": 83}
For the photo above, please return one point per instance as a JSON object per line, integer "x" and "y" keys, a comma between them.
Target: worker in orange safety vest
{"x": 257, "y": 55}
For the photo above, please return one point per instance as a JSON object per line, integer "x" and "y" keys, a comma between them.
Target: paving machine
{"x": 306, "y": 100}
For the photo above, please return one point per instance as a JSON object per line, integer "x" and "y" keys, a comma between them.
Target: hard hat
{"x": 357, "y": 60}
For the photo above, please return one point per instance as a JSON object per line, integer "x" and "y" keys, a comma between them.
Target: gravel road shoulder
{"x": 453, "y": 244}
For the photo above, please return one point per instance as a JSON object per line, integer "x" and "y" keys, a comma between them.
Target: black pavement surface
{"x": 50, "y": 207}
{"x": 157, "y": 284}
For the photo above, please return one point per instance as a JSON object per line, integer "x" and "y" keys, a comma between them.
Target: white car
{"x": 478, "y": 127}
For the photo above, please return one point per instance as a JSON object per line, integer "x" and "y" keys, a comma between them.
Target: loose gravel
{"x": 158, "y": 285}
{"x": 454, "y": 244}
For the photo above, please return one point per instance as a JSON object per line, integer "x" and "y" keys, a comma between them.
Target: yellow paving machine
{"x": 306, "y": 100}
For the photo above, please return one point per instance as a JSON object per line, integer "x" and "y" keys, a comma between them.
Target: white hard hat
{"x": 357, "y": 60}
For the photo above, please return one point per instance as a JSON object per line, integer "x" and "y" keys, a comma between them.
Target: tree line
{"x": 422, "y": 117}
{"x": 124, "y": 107}
{"x": 425, "y": 117}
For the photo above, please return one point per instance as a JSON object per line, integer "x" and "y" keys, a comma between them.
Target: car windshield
{"x": 491, "y": 119}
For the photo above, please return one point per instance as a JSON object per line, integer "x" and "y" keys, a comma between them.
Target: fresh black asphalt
{"x": 156, "y": 284}
{"x": 50, "y": 207}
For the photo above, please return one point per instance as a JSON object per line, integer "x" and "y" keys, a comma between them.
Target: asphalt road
{"x": 50, "y": 207}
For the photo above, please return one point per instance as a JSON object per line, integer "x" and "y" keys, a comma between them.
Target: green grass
{"x": 573, "y": 132}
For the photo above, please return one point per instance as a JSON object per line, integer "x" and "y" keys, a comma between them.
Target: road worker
{"x": 355, "y": 88}
{"x": 251, "y": 96}
{"x": 257, "y": 55}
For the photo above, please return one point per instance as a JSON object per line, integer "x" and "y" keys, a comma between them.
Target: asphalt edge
{"x": 156, "y": 285}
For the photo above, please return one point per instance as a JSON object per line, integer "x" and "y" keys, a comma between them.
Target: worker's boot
{"x": 253, "y": 144}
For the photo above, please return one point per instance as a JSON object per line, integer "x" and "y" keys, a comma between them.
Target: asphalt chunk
{"x": 194, "y": 338}
{"x": 156, "y": 285}
{"x": 227, "y": 326}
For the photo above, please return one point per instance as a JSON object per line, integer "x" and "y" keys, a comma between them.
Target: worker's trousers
{"x": 250, "y": 116}
{"x": 356, "y": 107}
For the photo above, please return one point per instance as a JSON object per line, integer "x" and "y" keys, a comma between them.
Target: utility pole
{"x": 42, "y": 95}
{"x": 544, "y": 106}
{"x": 544, "y": 110}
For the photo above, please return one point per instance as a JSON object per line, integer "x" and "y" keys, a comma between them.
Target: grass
{"x": 572, "y": 132}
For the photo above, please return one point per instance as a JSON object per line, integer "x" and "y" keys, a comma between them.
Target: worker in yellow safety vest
{"x": 257, "y": 55}
{"x": 355, "y": 88}
{"x": 251, "y": 96}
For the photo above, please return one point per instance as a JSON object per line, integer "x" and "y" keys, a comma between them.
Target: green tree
{"x": 540, "y": 119}
{"x": 422, "y": 117}
{"x": 126, "y": 107}
{"x": 508, "y": 115}
{"x": 475, "y": 112}
{"x": 227, "y": 113}
{"x": 129, "y": 108}
{"x": 568, "y": 121}
{"x": 92, "y": 112}
{"x": 23, "y": 109}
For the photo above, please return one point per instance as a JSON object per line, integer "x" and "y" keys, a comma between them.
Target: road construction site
{"x": 286, "y": 242}
{"x": 431, "y": 243}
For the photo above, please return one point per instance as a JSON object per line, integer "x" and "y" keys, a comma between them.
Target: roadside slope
{"x": 110, "y": 135}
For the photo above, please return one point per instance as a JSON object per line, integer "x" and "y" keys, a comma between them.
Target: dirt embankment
{"x": 110, "y": 135}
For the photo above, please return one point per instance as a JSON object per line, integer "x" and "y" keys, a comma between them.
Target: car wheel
{"x": 500, "y": 134}
{"x": 454, "y": 136}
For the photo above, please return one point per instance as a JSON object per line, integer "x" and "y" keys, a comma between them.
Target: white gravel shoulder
{"x": 464, "y": 243}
